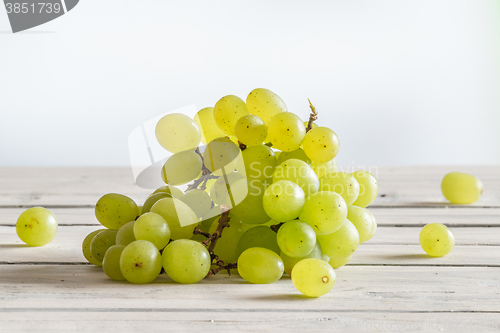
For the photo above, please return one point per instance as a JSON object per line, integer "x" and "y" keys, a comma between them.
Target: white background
{"x": 401, "y": 82}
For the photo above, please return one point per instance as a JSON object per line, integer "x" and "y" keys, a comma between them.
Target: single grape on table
{"x": 36, "y": 226}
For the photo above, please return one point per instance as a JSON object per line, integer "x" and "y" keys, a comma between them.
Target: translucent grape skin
{"x": 250, "y": 130}
{"x": 37, "y": 226}
{"x": 102, "y": 242}
{"x": 324, "y": 211}
{"x": 251, "y": 209}
{"x": 198, "y": 200}
{"x": 206, "y": 123}
{"x": 226, "y": 245}
{"x": 368, "y": 188}
{"x": 461, "y": 188}
{"x": 181, "y": 168}
{"x": 342, "y": 183}
{"x": 172, "y": 190}
{"x": 152, "y": 199}
{"x": 153, "y": 228}
{"x": 140, "y": 262}
{"x": 259, "y": 265}
{"x": 290, "y": 262}
{"x": 342, "y": 243}
{"x": 260, "y": 236}
{"x": 113, "y": 210}
{"x": 260, "y": 162}
{"x": 298, "y": 172}
{"x": 436, "y": 239}
{"x": 186, "y": 261}
{"x": 286, "y": 131}
{"x": 111, "y": 262}
{"x": 227, "y": 111}
{"x": 337, "y": 263}
{"x": 221, "y": 191}
{"x": 322, "y": 169}
{"x": 297, "y": 154}
{"x": 296, "y": 238}
{"x": 364, "y": 222}
{"x": 86, "y": 247}
{"x": 283, "y": 200}
{"x": 177, "y": 132}
{"x": 321, "y": 144}
{"x": 221, "y": 153}
{"x": 265, "y": 104}
{"x": 180, "y": 218}
{"x": 313, "y": 277}
{"x": 125, "y": 234}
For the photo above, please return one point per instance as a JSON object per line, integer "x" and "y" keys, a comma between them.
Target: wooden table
{"x": 389, "y": 285}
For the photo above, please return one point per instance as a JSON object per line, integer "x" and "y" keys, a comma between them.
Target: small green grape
{"x": 297, "y": 154}
{"x": 198, "y": 200}
{"x": 181, "y": 168}
{"x": 286, "y": 131}
{"x": 461, "y": 188}
{"x": 186, "y": 261}
{"x": 177, "y": 132}
{"x": 342, "y": 243}
{"x": 114, "y": 210}
{"x": 364, "y": 222}
{"x": 322, "y": 169}
{"x": 259, "y": 265}
{"x": 180, "y": 218}
{"x": 102, "y": 242}
{"x": 296, "y": 238}
{"x": 250, "y": 130}
{"x": 265, "y": 104}
{"x": 153, "y": 228}
{"x": 368, "y": 188}
{"x": 111, "y": 262}
{"x": 290, "y": 262}
{"x": 283, "y": 200}
{"x": 227, "y": 111}
{"x": 86, "y": 247}
{"x": 125, "y": 234}
{"x": 337, "y": 263}
{"x": 298, "y": 172}
{"x": 437, "y": 239}
{"x": 313, "y": 277}
{"x": 260, "y": 162}
{"x": 140, "y": 262}
{"x": 152, "y": 199}
{"x": 324, "y": 211}
{"x": 36, "y": 226}
{"x": 321, "y": 144}
{"x": 172, "y": 190}
{"x": 260, "y": 236}
{"x": 206, "y": 122}
{"x": 342, "y": 183}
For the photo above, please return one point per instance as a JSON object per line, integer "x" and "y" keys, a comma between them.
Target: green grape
{"x": 290, "y": 262}
{"x": 198, "y": 200}
{"x": 102, "y": 242}
{"x": 259, "y": 265}
{"x": 111, "y": 262}
{"x": 181, "y": 168}
{"x": 140, "y": 262}
{"x": 186, "y": 261}
{"x": 172, "y": 190}
{"x": 342, "y": 243}
{"x": 125, "y": 234}
{"x": 461, "y": 188}
{"x": 283, "y": 200}
{"x": 221, "y": 191}
{"x": 227, "y": 111}
{"x": 226, "y": 245}
{"x": 36, "y": 226}
{"x": 265, "y": 104}
{"x": 177, "y": 132}
{"x": 260, "y": 162}
{"x": 139, "y": 210}
{"x": 324, "y": 211}
{"x": 342, "y": 183}
{"x": 368, "y": 188}
{"x": 297, "y": 154}
{"x": 114, "y": 210}
{"x": 322, "y": 169}
{"x": 153, "y": 228}
{"x": 86, "y": 247}
{"x": 221, "y": 153}
{"x": 206, "y": 122}
{"x": 250, "y": 130}
{"x": 364, "y": 222}
{"x": 337, "y": 263}
{"x": 296, "y": 238}
{"x": 260, "y": 236}
{"x": 286, "y": 131}
{"x": 180, "y": 218}
{"x": 437, "y": 239}
{"x": 300, "y": 173}
{"x": 250, "y": 210}
{"x": 313, "y": 277}
{"x": 321, "y": 144}
{"x": 152, "y": 199}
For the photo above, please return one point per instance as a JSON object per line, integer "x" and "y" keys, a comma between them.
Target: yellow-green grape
{"x": 283, "y": 200}
{"x": 260, "y": 162}
{"x": 226, "y": 245}
{"x": 342, "y": 183}
{"x": 221, "y": 153}
{"x": 206, "y": 123}
{"x": 172, "y": 190}
{"x": 436, "y": 239}
{"x": 322, "y": 169}
{"x": 297, "y": 154}
{"x": 289, "y": 262}
{"x": 251, "y": 209}
{"x": 265, "y": 104}
{"x": 181, "y": 168}
{"x": 337, "y": 263}
{"x": 286, "y": 131}
{"x": 198, "y": 200}
{"x": 36, "y": 226}
{"x": 461, "y": 188}
{"x": 221, "y": 191}
{"x": 125, "y": 234}
{"x": 111, "y": 262}
{"x": 152, "y": 199}
{"x": 342, "y": 243}
{"x": 368, "y": 188}
{"x": 177, "y": 132}
{"x": 113, "y": 210}
{"x": 321, "y": 144}
{"x": 86, "y": 247}
{"x": 300, "y": 173}
{"x": 250, "y": 130}
{"x": 102, "y": 242}
{"x": 260, "y": 236}
{"x": 364, "y": 222}
{"x": 227, "y": 111}
{"x": 313, "y": 277}
{"x": 260, "y": 265}
{"x": 186, "y": 261}
{"x": 324, "y": 211}
{"x": 139, "y": 210}
{"x": 140, "y": 262}
{"x": 153, "y": 228}
{"x": 296, "y": 238}
{"x": 180, "y": 218}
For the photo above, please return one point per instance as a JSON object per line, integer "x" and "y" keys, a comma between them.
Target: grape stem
{"x": 312, "y": 117}
{"x": 242, "y": 145}
{"x": 198, "y": 231}
{"x": 221, "y": 266}
{"x": 206, "y": 175}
